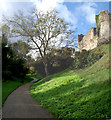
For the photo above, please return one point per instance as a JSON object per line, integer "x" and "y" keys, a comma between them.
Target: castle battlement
{"x": 96, "y": 36}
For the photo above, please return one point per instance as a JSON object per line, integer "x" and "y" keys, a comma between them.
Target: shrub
{"x": 86, "y": 58}
{"x": 6, "y": 75}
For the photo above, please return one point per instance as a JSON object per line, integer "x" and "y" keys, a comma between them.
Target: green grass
{"x": 10, "y": 86}
{"x": 77, "y": 94}
{"x": 38, "y": 76}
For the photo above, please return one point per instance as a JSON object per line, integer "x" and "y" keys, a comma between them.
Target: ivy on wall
{"x": 97, "y": 24}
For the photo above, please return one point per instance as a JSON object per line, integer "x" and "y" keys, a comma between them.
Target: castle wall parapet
{"x": 96, "y": 36}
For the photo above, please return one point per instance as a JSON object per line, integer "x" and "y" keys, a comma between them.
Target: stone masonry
{"x": 96, "y": 36}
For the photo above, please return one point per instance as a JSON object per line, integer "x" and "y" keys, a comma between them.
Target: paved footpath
{"x": 20, "y": 104}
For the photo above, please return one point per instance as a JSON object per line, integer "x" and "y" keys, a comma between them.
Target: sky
{"x": 80, "y": 13}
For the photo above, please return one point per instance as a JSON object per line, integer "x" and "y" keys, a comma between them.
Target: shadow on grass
{"x": 64, "y": 73}
{"x": 75, "y": 101}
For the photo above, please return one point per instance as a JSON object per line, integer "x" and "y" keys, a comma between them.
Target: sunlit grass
{"x": 38, "y": 76}
{"x": 77, "y": 94}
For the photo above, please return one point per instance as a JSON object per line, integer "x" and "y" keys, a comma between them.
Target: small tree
{"x": 12, "y": 65}
{"x": 44, "y": 30}
{"x": 21, "y": 49}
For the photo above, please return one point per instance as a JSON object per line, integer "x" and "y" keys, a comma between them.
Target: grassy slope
{"x": 77, "y": 94}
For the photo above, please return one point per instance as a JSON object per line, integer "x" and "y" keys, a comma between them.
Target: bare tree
{"x": 45, "y": 30}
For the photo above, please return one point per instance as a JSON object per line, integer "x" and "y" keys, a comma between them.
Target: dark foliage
{"x": 86, "y": 58}
{"x": 12, "y": 65}
{"x": 61, "y": 64}
{"x": 57, "y": 61}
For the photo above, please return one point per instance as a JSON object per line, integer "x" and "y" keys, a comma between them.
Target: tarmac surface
{"x": 20, "y": 104}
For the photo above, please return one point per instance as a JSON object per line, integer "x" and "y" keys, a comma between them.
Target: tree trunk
{"x": 46, "y": 68}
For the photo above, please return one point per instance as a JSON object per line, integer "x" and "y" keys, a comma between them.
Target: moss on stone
{"x": 97, "y": 20}
{"x": 97, "y": 24}
{"x": 91, "y": 40}
{"x": 103, "y": 12}
{"x": 110, "y": 14}
{"x": 95, "y": 37}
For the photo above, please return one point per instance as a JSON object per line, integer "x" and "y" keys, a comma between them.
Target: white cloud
{"x": 87, "y": 0}
{"x": 88, "y": 10}
{"x": 46, "y": 5}
{"x": 3, "y": 8}
{"x": 3, "y": 5}
{"x": 66, "y": 14}
{"x": 8, "y": 8}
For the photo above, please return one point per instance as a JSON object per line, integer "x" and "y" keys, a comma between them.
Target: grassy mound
{"x": 77, "y": 94}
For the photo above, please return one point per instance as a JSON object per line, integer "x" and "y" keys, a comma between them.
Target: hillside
{"x": 77, "y": 94}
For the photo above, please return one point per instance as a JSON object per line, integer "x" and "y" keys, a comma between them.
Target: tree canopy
{"x": 12, "y": 64}
{"x": 42, "y": 31}
{"x": 21, "y": 49}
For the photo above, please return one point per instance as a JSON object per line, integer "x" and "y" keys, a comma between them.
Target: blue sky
{"x": 83, "y": 24}
{"x": 80, "y": 14}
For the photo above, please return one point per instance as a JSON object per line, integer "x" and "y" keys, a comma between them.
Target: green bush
{"x": 86, "y": 58}
{"x": 12, "y": 64}
{"x": 6, "y": 74}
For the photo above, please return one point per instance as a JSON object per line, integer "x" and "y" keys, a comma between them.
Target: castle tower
{"x": 103, "y": 26}
{"x": 79, "y": 42}
{"x": 96, "y": 36}
{"x": 92, "y": 33}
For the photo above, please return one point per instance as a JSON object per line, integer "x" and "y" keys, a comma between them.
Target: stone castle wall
{"x": 96, "y": 36}
{"x": 89, "y": 41}
{"x": 104, "y": 27}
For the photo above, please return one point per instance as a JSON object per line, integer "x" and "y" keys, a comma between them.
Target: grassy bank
{"x": 10, "y": 86}
{"x": 77, "y": 94}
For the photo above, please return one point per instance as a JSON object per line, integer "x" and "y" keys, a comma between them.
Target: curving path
{"x": 20, "y": 104}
